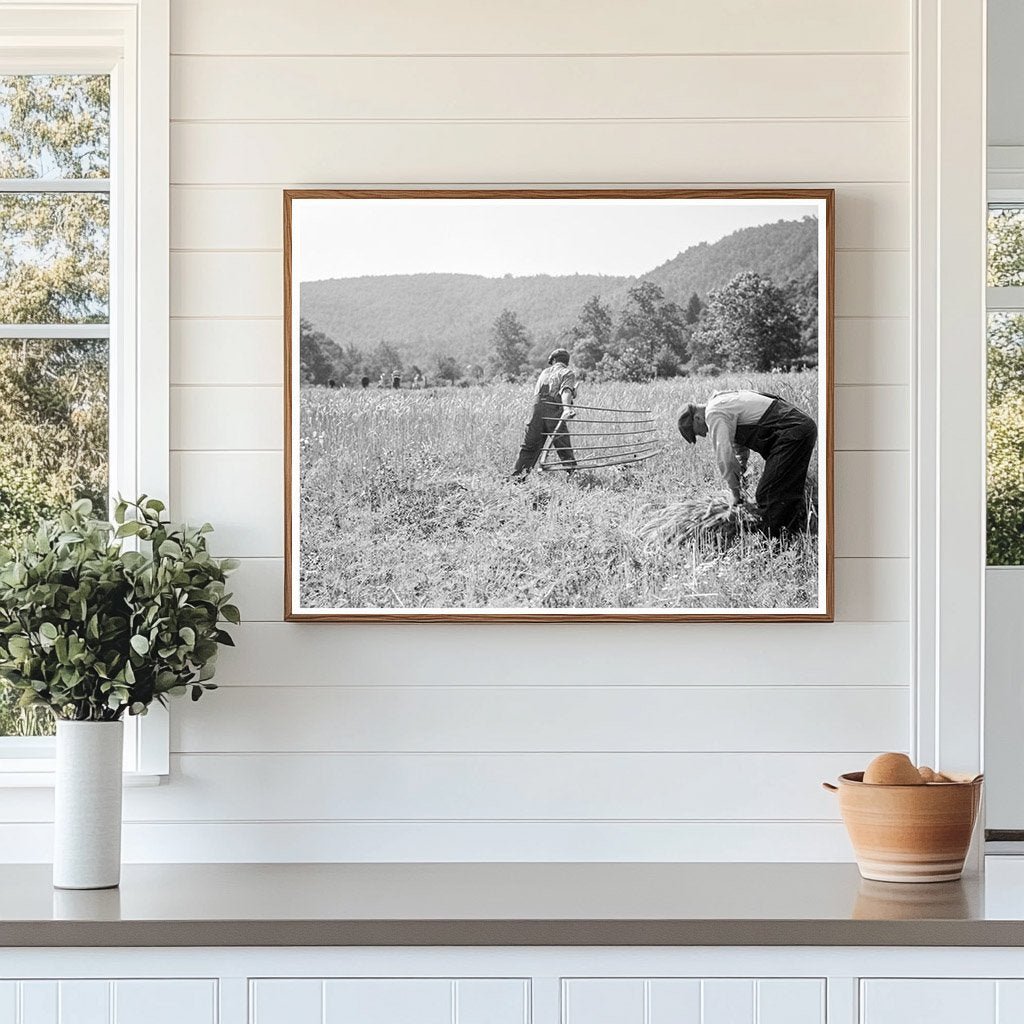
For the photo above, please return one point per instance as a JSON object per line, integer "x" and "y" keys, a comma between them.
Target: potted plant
{"x": 99, "y": 620}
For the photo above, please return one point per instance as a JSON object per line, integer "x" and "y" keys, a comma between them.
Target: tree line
{"x": 749, "y": 324}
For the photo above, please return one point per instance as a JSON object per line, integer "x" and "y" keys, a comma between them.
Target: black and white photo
{"x": 559, "y": 404}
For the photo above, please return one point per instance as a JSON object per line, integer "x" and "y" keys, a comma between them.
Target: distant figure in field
{"x": 552, "y": 409}
{"x": 396, "y": 379}
{"x": 382, "y": 383}
{"x": 417, "y": 381}
{"x": 783, "y": 435}
{"x": 364, "y": 381}
{"x": 332, "y": 383}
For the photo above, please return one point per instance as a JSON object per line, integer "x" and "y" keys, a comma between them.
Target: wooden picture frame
{"x": 311, "y": 314}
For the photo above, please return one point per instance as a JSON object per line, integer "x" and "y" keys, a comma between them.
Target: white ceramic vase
{"x": 87, "y": 811}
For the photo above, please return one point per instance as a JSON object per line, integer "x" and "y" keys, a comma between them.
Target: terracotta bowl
{"x": 909, "y": 833}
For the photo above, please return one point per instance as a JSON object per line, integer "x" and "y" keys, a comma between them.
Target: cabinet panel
{"x": 39, "y": 1002}
{"x": 388, "y": 1001}
{"x": 103, "y": 1001}
{"x": 727, "y": 1001}
{"x": 693, "y": 1001}
{"x": 790, "y": 1001}
{"x": 674, "y": 1001}
{"x": 492, "y": 1002}
{"x": 1010, "y": 1002}
{"x": 929, "y": 1001}
{"x": 165, "y": 1002}
{"x": 603, "y": 1001}
{"x": 286, "y": 1001}
{"x": 8, "y": 1002}
{"x": 83, "y": 1002}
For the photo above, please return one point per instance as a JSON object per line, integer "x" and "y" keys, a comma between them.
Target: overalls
{"x": 544, "y": 420}
{"x": 784, "y": 437}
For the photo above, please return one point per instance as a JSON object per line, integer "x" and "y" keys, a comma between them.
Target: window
{"x": 1005, "y": 478}
{"x": 54, "y": 308}
{"x": 84, "y": 124}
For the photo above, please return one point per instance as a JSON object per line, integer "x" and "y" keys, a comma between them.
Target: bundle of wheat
{"x": 705, "y": 521}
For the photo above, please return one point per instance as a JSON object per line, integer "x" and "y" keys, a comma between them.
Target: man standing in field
{"x": 552, "y": 409}
{"x": 743, "y": 421}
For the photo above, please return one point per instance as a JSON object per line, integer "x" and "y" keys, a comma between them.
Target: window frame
{"x": 1002, "y": 299}
{"x": 1003, "y": 718}
{"x": 130, "y": 41}
{"x": 1007, "y": 298}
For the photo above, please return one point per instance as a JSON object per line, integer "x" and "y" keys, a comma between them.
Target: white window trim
{"x": 949, "y": 450}
{"x": 131, "y": 40}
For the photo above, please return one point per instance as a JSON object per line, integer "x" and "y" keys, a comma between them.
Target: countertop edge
{"x": 477, "y": 932}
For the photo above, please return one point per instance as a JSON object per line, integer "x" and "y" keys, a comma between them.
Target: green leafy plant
{"x": 91, "y": 630}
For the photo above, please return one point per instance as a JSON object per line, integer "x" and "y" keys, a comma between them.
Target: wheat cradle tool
{"x": 641, "y": 446}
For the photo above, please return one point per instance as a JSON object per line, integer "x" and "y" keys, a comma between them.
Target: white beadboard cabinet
{"x": 513, "y": 985}
{"x": 696, "y": 1000}
{"x": 109, "y": 1001}
{"x": 953, "y": 1001}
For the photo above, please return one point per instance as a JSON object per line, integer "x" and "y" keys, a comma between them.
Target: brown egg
{"x": 892, "y": 770}
{"x": 927, "y": 774}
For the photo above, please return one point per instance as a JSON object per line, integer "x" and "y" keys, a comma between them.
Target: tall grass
{"x": 405, "y": 503}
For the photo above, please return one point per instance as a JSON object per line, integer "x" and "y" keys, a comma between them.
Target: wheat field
{"x": 405, "y": 503}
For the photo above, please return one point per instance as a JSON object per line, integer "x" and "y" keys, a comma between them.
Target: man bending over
{"x": 739, "y": 422}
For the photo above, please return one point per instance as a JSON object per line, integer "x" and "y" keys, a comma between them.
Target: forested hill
{"x": 424, "y": 313}
{"x": 783, "y": 251}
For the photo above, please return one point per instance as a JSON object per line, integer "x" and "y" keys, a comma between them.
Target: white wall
{"x": 691, "y": 741}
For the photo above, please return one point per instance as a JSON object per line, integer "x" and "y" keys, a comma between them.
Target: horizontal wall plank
{"x": 534, "y": 719}
{"x": 241, "y": 493}
{"x": 280, "y": 654}
{"x": 526, "y": 88}
{"x": 873, "y": 508}
{"x": 872, "y": 418}
{"x": 452, "y": 842}
{"x": 873, "y": 589}
{"x": 251, "y": 418}
{"x": 873, "y": 283}
{"x": 219, "y": 352}
{"x": 870, "y": 350}
{"x": 258, "y": 586}
{"x": 259, "y": 787}
{"x": 574, "y": 151}
{"x": 236, "y": 418}
{"x": 874, "y": 216}
{"x": 577, "y": 26}
{"x": 867, "y": 589}
{"x": 220, "y": 217}
{"x": 249, "y": 284}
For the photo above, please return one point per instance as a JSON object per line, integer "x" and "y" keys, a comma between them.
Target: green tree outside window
{"x": 54, "y": 271}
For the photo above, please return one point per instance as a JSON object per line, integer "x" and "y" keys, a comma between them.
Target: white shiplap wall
{"x": 690, "y": 741}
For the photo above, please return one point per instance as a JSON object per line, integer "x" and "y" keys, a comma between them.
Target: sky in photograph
{"x": 367, "y": 237}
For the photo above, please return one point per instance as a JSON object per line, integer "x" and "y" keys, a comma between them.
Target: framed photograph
{"x": 559, "y": 405}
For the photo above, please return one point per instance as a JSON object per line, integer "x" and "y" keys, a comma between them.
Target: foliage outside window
{"x": 54, "y": 307}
